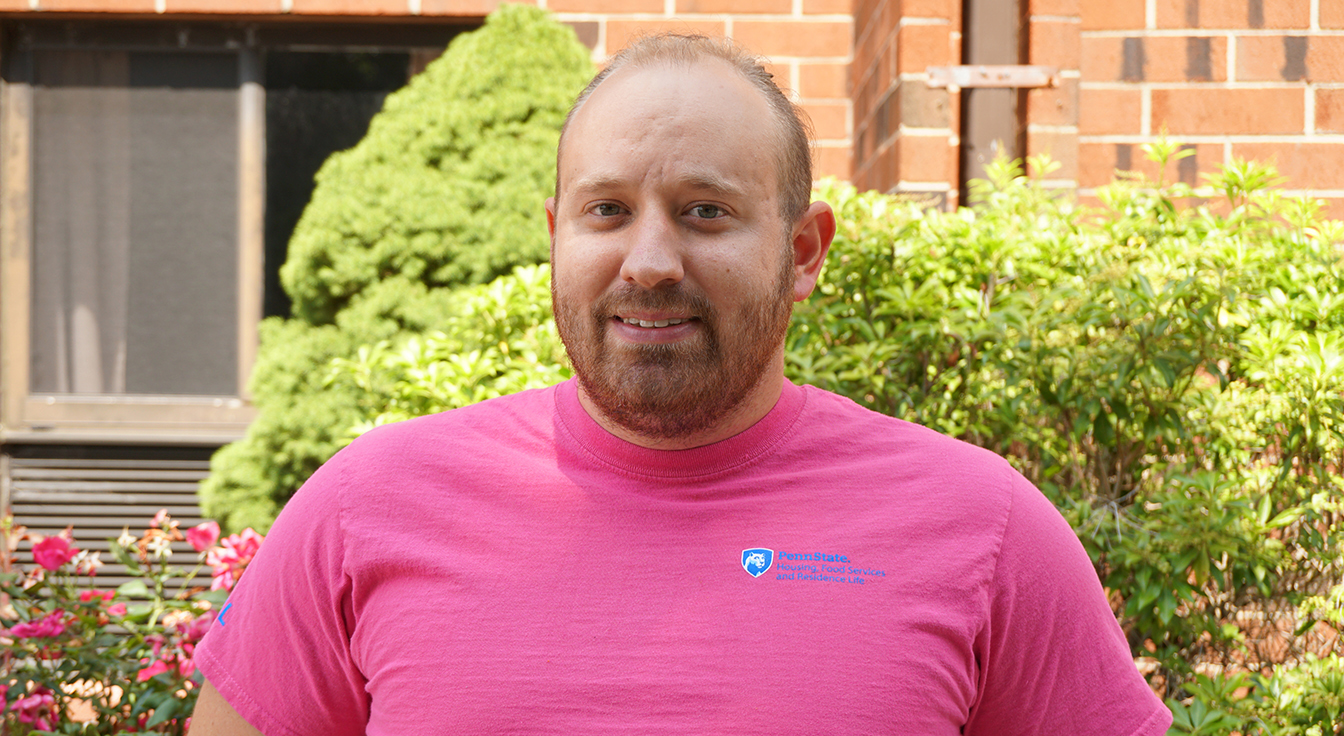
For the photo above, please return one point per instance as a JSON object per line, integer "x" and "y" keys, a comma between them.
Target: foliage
{"x": 503, "y": 341}
{"x": 445, "y": 190}
{"x": 76, "y": 659}
{"x": 1169, "y": 371}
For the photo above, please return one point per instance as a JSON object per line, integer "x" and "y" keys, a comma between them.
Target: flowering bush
{"x": 79, "y": 659}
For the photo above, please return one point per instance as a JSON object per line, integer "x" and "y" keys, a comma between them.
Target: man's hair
{"x": 793, "y": 160}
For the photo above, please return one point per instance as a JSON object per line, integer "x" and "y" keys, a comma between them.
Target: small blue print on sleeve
{"x": 222, "y": 611}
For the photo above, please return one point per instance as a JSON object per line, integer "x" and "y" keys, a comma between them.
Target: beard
{"x": 674, "y": 390}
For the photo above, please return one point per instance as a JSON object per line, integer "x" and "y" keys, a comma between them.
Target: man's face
{"x": 673, "y": 272}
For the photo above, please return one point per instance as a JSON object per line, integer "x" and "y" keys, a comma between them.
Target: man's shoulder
{"x": 831, "y": 417}
{"x": 528, "y": 406}
{"x": 505, "y": 419}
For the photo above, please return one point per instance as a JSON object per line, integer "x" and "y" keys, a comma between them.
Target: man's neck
{"x": 758, "y": 403}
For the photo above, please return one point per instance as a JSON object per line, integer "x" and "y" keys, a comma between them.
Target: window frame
{"x": 27, "y": 417}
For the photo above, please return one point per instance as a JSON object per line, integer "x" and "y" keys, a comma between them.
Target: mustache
{"x": 676, "y": 298}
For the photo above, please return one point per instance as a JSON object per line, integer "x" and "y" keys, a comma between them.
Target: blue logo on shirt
{"x": 757, "y": 561}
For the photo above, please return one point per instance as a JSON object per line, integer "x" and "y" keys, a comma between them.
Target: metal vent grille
{"x": 100, "y": 498}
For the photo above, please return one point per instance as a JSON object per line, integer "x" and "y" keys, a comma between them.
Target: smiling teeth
{"x": 655, "y": 323}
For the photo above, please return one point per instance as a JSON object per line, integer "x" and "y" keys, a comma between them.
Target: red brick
{"x": 919, "y": 47}
{"x": 1109, "y": 112}
{"x": 1099, "y": 161}
{"x": 1062, "y": 148}
{"x": 1096, "y": 164}
{"x": 13, "y": 5}
{"x": 222, "y": 6}
{"x": 1325, "y": 58}
{"x": 1055, "y": 7}
{"x": 621, "y": 32}
{"x": 351, "y": 7}
{"x": 943, "y": 9}
{"x": 833, "y": 162}
{"x": 925, "y": 159}
{"x": 465, "y": 7}
{"x": 1330, "y": 110}
{"x": 1102, "y": 59}
{"x": 1168, "y": 59}
{"x": 829, "y": 119}
{"x": 605, "y": 6}
{"x": 1307, "y": 165}
{"x": 705, "y": 6}
{"x": 1334, "y": 208}
{"x": 823, "y": 80}
{"x": 94, "y": 6}
{"x": 1287, "y": 14}
{"x": 1055, "y": 43}
{"x": 1112, "y": 15}
{"x": 1259, "y": 58}
{"x": 1216, "y": 14}
{"x": 1332, "y": 14}
{"x": 1172, "y": 14}
{"x": 1054, "y": 105}
{"x": 828, "y": 7}
{"x": 1199, "y": 111}
{"x": 794, "y": 38}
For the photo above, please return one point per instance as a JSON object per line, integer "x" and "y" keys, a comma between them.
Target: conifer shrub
{"x": 444, "y": 191}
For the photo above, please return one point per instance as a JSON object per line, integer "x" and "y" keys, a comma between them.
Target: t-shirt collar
{"x": 735, "y": 451}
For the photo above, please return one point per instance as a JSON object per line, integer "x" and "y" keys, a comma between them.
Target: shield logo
{"x": 757, "y": 561}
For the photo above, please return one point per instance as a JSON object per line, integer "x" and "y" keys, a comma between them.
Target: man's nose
{"x": 653, "y": 257}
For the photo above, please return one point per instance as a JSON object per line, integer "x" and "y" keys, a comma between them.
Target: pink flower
{"x": 99, "y": 595}
{"x": 154, "y": 669}
{"x": 38, "y": 709}
{"x": 53, "y": 624}
{"x": 203, "y": 536}
{"x": 195, "y": 631}
{"x": 52, "y": 552}
{"x": 159, "y": 518}
{"x": 231, "y": 557}
{"x": 116, "y": 609}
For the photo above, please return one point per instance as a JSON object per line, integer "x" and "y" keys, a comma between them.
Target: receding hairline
{"x": 791, "y": 127}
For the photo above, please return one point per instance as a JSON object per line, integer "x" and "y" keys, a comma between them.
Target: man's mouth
{"x": 652, "y": 323}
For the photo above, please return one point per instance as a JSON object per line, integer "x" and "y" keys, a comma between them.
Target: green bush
{"x": 1171, "y": 376}
{"x": 444, "y": 191}
{"x": 1170, "y": 371}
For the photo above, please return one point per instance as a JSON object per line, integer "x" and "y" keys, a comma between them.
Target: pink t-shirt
{"x": 511, "y": 568}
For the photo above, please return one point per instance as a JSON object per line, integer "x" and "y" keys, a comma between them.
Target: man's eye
{"x": 607, "y": 209}
{"x": 707, "y": 211}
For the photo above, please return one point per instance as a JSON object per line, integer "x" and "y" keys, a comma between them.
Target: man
{"x": 679, "y": 541}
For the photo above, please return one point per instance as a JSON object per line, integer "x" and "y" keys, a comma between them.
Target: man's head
{"x": 791, "y": 125}
{"x": 674, "y": 263}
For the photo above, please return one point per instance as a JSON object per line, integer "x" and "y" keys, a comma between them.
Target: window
{"x": 153, "y": 172}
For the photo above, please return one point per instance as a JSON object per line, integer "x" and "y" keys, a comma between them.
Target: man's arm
{"x": 215, "y": 717}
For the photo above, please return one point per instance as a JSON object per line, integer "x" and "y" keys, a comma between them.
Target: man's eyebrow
{"x": 699, "y": 181}
{"x": 711, "y": 182}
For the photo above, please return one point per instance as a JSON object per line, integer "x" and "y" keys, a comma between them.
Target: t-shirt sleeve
{"x": 279, "y": 651}
{"x": 1053, "y": 659}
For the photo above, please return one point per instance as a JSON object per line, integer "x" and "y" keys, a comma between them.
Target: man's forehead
{"x": 659, "y": 94}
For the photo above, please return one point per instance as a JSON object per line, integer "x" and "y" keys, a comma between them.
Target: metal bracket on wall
{"x": 955, "y": 78}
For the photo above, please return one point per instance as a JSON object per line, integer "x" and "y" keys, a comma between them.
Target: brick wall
{"x": 1261, "y": 79}
{"x": 1255, "y": 79}
{"x": 808, "y": 41}
{"x": 1052, "y": 113}
{"x": 904, "y": 131}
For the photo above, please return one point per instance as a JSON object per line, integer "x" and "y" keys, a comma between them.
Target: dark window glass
{"x": 316, "y": 103}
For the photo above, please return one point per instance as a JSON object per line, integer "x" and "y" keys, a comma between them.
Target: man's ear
{"x": 812, "y": 236}
{"x": 550, "y": 216}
